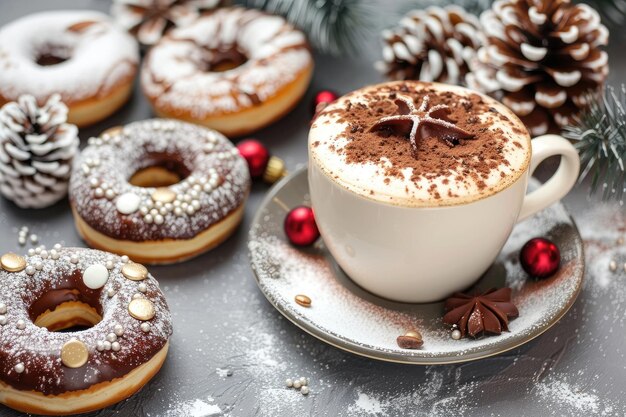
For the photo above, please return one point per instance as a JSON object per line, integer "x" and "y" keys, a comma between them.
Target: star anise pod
{"x": 480, "y": 313}
{"x": 421, "y": 122}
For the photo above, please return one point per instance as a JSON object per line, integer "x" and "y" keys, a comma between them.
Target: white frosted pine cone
{"x": 148, "y": 20}
{"x": 547, "y": 56}
{"x": 37, "y": 147}
{"x": 434, "y": 44}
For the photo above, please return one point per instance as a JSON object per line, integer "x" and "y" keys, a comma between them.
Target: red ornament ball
{"x": 256, "y": 154}
{"x": 300, "y": 226}
{"x": 540, "y": 257}
{"x": 322, "y": 99}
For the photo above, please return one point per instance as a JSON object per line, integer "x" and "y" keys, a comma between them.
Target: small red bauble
{"x": 322, "y": 99}
{"x": 540, "y": 257}
{"x": 300, "y": 226}
{"x": 256, "y": 154}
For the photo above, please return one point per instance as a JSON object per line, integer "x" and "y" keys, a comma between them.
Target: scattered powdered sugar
{"x": 194, "y": 408}
{"x": 562, "y": 393}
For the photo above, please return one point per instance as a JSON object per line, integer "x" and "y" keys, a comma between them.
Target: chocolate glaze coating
{"x": 39, "y": 350}
{"x": 217, "y": 179}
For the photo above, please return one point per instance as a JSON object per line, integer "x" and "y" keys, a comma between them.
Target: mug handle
{"x": 560, "y": 183}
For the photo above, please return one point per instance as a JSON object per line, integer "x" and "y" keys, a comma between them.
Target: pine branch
{"x": 600, "y": 136}
{"x": 333, "y": 26}
{"x": 613, "y": 11}
{"x": 475, "y": 7}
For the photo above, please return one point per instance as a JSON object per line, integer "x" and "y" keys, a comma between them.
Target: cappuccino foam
{"x": 382, "y": 164}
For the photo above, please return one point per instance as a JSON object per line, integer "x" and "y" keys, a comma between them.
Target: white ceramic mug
{"x": 413, "y": 254}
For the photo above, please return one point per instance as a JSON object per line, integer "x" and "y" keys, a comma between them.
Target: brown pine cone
{"x": 435, "y": 44}
{"x": 148, "y": 20}
{"x": 547, "y": 56}
{"x": 37, "y": 148}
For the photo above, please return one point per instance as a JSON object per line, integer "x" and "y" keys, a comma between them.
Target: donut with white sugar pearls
{"x": 124, "y": 339}
{"x": 160, "y": 190}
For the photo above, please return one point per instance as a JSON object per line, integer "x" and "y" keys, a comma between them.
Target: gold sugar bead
{"x": 74, "y": 354}
{"x": 303, "y": 300}
{"x": 134, "y": 271}
{"x": 141, "y": 309}
{"x": 12, "y": 262}
{"x": 164, "y": 195}
{"x": 275, "y": 170}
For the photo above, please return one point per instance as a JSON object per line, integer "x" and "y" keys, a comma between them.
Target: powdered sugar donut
{"x": 45, "y": 371}
{"x": 234, "y": 70}
{"x": 159, "y": 191}
{"x": 81, "y": 55}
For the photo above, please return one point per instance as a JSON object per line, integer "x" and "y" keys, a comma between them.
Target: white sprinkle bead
{"x": 145, "y": 327}
{"x": 44, "y": 254}
{"x": 38, "y": 265}
{"x": 99, "y": 192}
{"x": 3, "y": 320}
{"x": 34, "y": 238}
{"x": 111, "y": 337}
{"x": 136, "y": 296}
{"x": 109, "y": 194}
{"x": 107, "y": 345}
{"x": 304, "y": 390}
{"x": 3, "y": 308}
{"x": 99, "y": 346}
{"x": 142, "y": 287}
{"x": 289, "y": 382}
{"x": 158, "y": 219}
{"x": 54, "y": 254}
{"x": 128, "y": 203}
{"x": 31, "y": 252}
{"x": 125, "y": 259}
{"x": 613, "y": 266}
{"x": 30, "y": 270}
{"x": 21, "y": 324}
{"x": 19, "y": 368}
{"x": 57, "y": 246}
{"x": 456, "y": 334}
{"x": 74, "y": 259}
{"x": 297, "y": 384}
{"x": 111, "y": 292}
{"x": 95, "y": 276}
{"x": 115, "y": 346}
{"x": 303, "y": 381}
{"x": 148, "y": 218}
{"x": 109, "y": 265}
{"x": 119, "y": 330}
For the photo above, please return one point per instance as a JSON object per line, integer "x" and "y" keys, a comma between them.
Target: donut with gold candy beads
{"x": 159, "y": 191}
{"x": 127, "y": 320}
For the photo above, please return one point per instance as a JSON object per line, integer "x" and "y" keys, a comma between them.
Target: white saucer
{"x": 350, "y": 318}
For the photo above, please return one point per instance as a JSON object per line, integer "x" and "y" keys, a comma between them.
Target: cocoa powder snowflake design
{"x": 418, "y": 123}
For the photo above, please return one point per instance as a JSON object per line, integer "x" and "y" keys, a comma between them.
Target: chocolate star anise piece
{"x": 420, "y": 122}
{"x": 479, "y": 313}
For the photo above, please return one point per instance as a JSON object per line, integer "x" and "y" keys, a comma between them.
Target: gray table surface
{"x": 223, "y": 322}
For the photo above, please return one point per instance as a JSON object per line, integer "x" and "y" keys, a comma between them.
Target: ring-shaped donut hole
{"x": 224, "y": 58}
{"x": 68, "y": 306}
{"x": 160, "y": 170}
{"x": 49, "y": 54}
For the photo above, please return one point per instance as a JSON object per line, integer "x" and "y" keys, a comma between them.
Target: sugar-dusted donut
{"x": 159, "y": 191}
{"x": 44, "y": 371}
{"x": 233, "y": 70}
{"x": 81, "y": 55}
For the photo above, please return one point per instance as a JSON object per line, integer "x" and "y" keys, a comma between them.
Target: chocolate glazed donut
{"x": 159, "y": 191}
{"x": 56, "y": 373}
